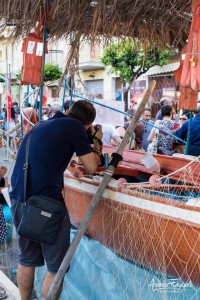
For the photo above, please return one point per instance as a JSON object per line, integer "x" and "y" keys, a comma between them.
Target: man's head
{"x": 55, "y": 106}
{"x": 166, "y": 111}
{"x": 3, "y": 170}
{"x": 45, "y": 110}
{"x": 131, "y": 111}
{"x": 166, "y": 101}
{"x": 146, "y": 115}
{"x": 83, "y": 111}
{"x": 67, "y": 106}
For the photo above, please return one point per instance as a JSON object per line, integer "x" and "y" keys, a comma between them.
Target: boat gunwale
{"x": 153, "y": 198}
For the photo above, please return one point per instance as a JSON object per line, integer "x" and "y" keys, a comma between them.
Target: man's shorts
{"x": 34, "y": 254}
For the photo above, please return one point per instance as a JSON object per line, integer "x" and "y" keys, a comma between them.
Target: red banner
{"x": 10, "y": 105}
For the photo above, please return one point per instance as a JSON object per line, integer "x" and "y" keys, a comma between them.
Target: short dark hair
{"x": 67, "y": 105}
{"x": 131, "y": 111}
{"x": 147, "y": 109}
{"x": 187, "y": 114}
{"x": 165, "y": 100}
{"x": 83, "y": 111}
{"x": 13, "y": 114}
{"x": 166, "y": 110}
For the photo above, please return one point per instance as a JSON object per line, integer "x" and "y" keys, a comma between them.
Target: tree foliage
{"x": 1, "y": 79}
{"x": 130, "y": 60}
{"x": 51, "y": 72}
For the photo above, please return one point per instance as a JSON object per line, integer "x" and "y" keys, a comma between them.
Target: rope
{"x": 126, "y": 114}
{"x": 181, "y": 169}
{"x": 196, "y": 159}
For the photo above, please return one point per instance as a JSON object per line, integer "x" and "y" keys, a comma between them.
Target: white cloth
{"x": 109, "y": 133}
{"x": 9, "y": 125}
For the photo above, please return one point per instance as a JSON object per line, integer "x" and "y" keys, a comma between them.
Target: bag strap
{"x": 25, "y": 168}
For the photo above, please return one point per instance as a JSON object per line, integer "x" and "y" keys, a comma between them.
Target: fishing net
{"x": 152, "y": 233}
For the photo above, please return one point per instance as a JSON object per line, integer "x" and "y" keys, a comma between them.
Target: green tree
{"x": 129, "y": 60}
{"x": 51, "y": 72}
{"x": 1, "y": 79}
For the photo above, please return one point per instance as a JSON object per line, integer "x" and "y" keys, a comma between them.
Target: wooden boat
{"x": 149, "y": 229}
{"x": 132, "y": 164}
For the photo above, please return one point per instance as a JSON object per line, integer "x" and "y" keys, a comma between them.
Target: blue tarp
{"x": 97, "y": 273}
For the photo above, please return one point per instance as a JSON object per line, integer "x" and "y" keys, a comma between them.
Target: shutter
{"x": 94, "y": 87}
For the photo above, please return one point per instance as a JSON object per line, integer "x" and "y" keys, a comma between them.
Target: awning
{"x": 167, "y": 69}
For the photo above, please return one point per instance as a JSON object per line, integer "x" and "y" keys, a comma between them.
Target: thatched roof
{"x": 155, "y": 20}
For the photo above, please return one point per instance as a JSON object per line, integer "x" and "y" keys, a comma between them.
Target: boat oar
{"x": 107, "y": 175}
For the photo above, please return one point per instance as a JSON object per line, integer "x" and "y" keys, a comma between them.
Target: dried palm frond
{"x": 160, "y": 21}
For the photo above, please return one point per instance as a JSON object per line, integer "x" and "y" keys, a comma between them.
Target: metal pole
{"x": 71, "y": 92}
{"x": 90, "y": 211}
{"x": 27, "y": 94}
{"x": 64, "y": 90}
{"x": 188, "y": 135}
{"x": 126, "y": 114}
{"x": 7, "y": 137}
{"x": 42, "y": 72}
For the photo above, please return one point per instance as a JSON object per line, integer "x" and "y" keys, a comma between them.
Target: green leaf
{"x": 129, "y": 60}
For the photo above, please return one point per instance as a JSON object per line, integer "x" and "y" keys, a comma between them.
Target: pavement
{"x": 10, "y": 288}
{"x": 8, "y": 250}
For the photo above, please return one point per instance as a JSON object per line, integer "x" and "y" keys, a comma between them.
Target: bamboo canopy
{"x": 160, "y": 21}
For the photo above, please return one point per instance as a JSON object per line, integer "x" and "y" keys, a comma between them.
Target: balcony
{"x": 90, "y": 65}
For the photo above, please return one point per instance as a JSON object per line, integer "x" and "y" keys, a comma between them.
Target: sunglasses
{"x": 184, "y": 119}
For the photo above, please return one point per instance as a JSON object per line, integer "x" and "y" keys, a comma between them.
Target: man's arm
{"x": 116, "y": 140}
{"x": 152, "y": 134}
{"x": 92, "y": 160}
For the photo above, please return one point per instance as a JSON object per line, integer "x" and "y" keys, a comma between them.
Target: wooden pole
{"x": 107, "y": 175}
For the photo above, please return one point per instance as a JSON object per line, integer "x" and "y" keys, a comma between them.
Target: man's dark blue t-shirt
{"x": 194, "y": 142}
{"x": 52, "y": 145}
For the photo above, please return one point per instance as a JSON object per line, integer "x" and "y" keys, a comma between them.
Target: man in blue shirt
{"x": 52, "y": 145}
{"x": 146, "y": 116}
{"x": 194, "y": 141}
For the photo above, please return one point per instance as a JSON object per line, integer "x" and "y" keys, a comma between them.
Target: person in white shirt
{"x": 111, "y": 136}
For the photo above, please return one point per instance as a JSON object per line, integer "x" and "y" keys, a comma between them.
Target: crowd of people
{"x": 167, "y": 126}
{"x": 166, "y": 131}
{"x": 46, "y": 179}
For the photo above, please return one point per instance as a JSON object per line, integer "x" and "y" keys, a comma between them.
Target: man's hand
{"x": 96, "y": 131}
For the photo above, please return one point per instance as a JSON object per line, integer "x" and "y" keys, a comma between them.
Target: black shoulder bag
{"x": 43, "y": 216}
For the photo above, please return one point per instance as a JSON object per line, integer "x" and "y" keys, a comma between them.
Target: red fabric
{"x": 10, "y": 105}
{"x": 32, "y": 62}
{"x": 188, "y": 98}
{"x": 45, "y": 95}
{"x": 188, "y": 74}
{"x": 31, "y": 114}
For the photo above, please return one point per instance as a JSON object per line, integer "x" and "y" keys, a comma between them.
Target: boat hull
{"x": 132, "y": 160}
{"x": 151, "y": 239}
